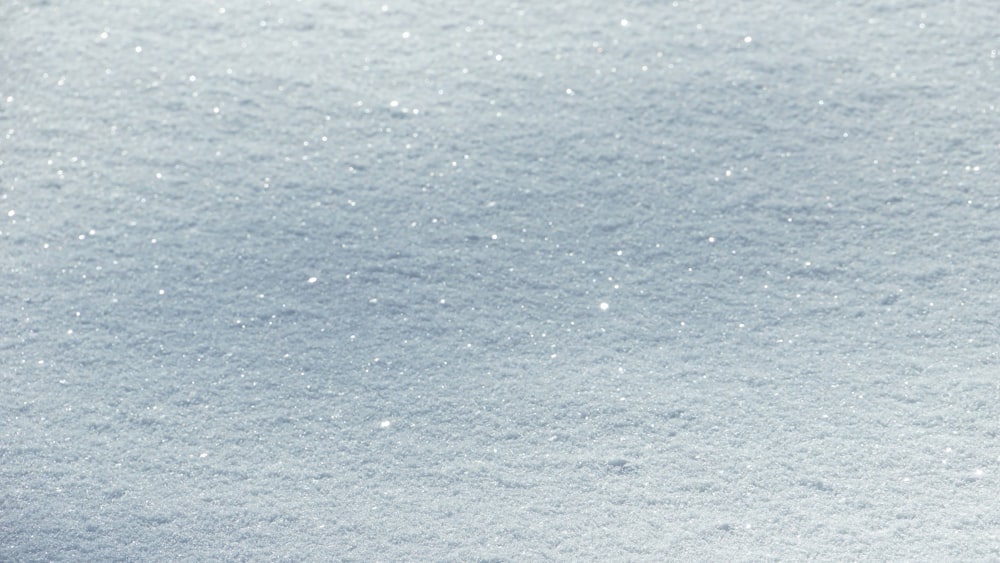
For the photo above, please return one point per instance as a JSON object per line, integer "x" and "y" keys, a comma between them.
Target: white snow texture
{"x": 497, "y": 281}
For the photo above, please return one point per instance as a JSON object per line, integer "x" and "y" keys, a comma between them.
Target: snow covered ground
{"x": 501, "y": 281}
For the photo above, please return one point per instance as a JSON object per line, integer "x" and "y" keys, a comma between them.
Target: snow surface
{"x": 501, "y": 281}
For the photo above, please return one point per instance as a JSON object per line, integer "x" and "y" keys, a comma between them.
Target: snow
{"x": 354, "y": 281}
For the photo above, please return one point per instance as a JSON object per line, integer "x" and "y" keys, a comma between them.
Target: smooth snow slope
{"x": 329, "y": 280}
